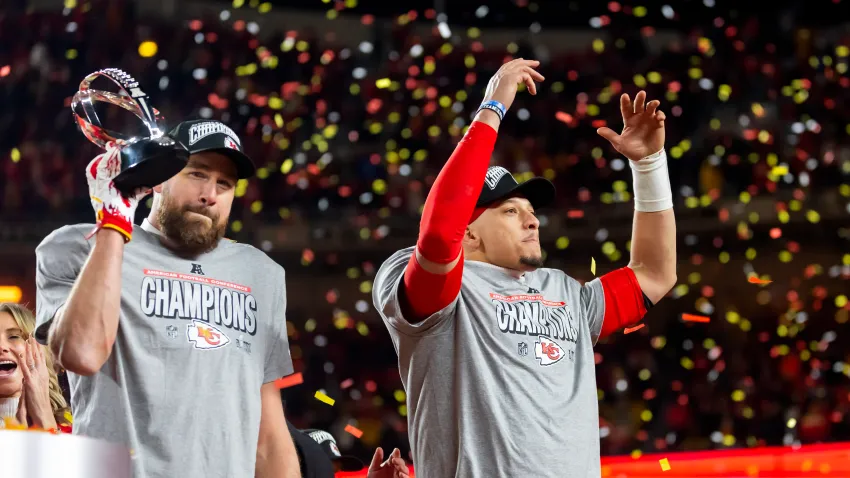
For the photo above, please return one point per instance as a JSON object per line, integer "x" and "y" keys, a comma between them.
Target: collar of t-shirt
{"x": 518, "y": 275}
{"x": 148, "y": 227}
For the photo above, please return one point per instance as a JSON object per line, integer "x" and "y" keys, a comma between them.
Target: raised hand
{"x": 112, "y": 209}
{"x": 643, "y": 128}
{"x": 503, "y": 85}
{"x": 35, "y": 399}
{"x": 394, "y": 467}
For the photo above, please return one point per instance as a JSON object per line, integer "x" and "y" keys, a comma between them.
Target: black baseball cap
{"x": 328, "y": 444}
{"x": 499, "y": 185}
{"x": 317, "y": 452}
{"x": 211, "y": 135}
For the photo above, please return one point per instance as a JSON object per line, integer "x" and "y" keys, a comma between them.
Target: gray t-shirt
{"x": 196, "y": 340}
{"x": 502, "y": 381}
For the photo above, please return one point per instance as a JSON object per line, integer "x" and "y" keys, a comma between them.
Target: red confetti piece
{"x": 575, "y": 213}
{"x": 346, "y": 383}
{"x": 564, "y": 117}
{"x": 633, "y": 329}
{"x": 354, "y": 431}
{"x": 695, "y": 318}
{"x": 289, "y": 380}
{"x": 756, "y": 280}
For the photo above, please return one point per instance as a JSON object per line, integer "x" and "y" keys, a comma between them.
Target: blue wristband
{"x": 494, "y": 105}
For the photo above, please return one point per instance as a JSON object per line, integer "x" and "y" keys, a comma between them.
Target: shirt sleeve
{"x": 385, "y": 298}
{"x": 58, "y": 261}
{"x": 278, "y": 359}
{"x": 592, "y": 298}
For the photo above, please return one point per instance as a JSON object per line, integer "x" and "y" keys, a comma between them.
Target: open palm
{"x": 643, "y": 128}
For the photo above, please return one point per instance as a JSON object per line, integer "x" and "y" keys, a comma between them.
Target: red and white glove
{"x": 113, "y": 210}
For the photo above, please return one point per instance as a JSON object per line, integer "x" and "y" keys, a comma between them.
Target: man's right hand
{"x": 503, "y": 85}
{"x": 112, "y": 209}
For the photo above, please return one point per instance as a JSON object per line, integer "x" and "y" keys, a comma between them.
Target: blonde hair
{"x": 25, "y": 320}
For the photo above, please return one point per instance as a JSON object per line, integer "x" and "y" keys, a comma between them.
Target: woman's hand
{"x": 35, "y": 397}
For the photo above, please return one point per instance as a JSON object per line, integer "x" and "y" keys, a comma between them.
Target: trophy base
{"x": 149, "y": 162}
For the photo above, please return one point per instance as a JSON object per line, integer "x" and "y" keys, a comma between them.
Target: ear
{"x": 158, "y": 188}
{"x": 471, "y": 240}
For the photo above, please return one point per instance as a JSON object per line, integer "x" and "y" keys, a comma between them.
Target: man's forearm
{"x": 84, "y": 329}
{"x": 653, "y": 252}
{"x": 275, "y": 460}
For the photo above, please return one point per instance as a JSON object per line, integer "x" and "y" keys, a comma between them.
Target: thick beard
{"x": 187, "y": 235}
{"x": 533, "y": 262}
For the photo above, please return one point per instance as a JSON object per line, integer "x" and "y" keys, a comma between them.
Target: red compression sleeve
{"x": 453, "y": 196}
{"x": 446, "y": 214}
{"x": 624, "y": 304}
{"x": 427, "y": 293}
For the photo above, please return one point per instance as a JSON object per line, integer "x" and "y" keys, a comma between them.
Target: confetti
{"x": 629, "y": 330}
{"x": 695, "y": 318}
{"x": 346, "y": 383}
{"x": 324, "y": 398}
{"x": 665, "y": 465}
{"x": 593, "y": 266}
{"x": 354, "y": 431}
{"x": 563, "y": 117}
{"x": 753, "y": 279}
{"x": 289, "y": 380}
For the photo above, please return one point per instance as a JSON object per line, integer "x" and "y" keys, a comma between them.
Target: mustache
{"x": 204, "y": 211}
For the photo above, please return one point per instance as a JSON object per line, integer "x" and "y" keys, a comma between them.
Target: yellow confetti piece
{"x": 324, "y": 398}
{"x": 70, "y": 418}
{"x": 593, "y": 266}
{"x": 779, "y": 170}
{"x": 665, "y": 465}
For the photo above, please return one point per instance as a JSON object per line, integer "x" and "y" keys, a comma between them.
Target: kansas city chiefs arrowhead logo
{"x": 229, "y": 143}
{"x": 205, "y": 336}
{"x": 547, "y": 351}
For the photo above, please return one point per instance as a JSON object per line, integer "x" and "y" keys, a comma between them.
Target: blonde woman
{"x": 29, "y": 388}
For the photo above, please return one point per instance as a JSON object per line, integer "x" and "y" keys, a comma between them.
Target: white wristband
{"x": 652, "y": 183}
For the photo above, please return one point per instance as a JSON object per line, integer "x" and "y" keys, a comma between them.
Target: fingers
{"x": 651, "y": 107}
{"x": 529, "y": 83}
{"x": 521, "y": 62}
{"x": 640, "y": 99}
{"x": 608, "y": 134}
{"x": 626, "y": 108}
{"x": 23, "y": 364}
{"x": 376, "y": 459}
{"x": 32, "y": 354}
{"x": 535, "y": 75}
{"x": 660, "y": 116}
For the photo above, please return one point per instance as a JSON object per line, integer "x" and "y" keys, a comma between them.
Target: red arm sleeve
{"x": 624, "y": 304}
{"x": 446, "y": 214}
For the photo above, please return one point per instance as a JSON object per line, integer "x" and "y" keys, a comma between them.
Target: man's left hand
{"x": 643, "y": 128}
{"x": 394, "y": 467}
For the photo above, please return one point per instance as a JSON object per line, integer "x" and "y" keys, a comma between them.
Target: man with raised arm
{"x": 496, "y": 351}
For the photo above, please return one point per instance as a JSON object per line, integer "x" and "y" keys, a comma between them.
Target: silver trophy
{"x": 146, "y": 161}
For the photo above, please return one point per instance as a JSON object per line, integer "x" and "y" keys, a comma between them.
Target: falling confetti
{"x": 629, "y": 330}
{"x": 354, "y": 431}
{"x": 695, "y": 318}
{"x": 665, "y": 464}
{"x": 289, "y": 380}
{"x": 324, "y": 398}
{"x": 563, "y": 117}
{"x": 593, "y": 266}
{"x": 753, "y": 279}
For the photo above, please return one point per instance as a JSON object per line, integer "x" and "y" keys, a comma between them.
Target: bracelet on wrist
{"x": 494, "y": 106}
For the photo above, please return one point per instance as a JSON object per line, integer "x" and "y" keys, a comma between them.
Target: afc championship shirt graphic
{"x": 550, "y": 322}
{"x": 211, "y": 307}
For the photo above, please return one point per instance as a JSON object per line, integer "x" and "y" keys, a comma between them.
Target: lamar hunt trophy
{"x": 146, "y": 161}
